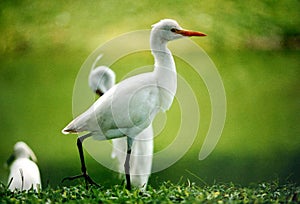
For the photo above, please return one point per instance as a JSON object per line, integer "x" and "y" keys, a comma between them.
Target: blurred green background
{"x": 254, "y": 44}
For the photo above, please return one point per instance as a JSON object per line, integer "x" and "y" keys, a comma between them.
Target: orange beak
{"x": 189, "y": 33}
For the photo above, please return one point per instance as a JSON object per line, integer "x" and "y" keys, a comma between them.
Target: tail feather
{"x": 70, "y": 128}
{"x": 79, "y": 124}
{"x": 84, "y": 122}
{"x": 68, "y": 131}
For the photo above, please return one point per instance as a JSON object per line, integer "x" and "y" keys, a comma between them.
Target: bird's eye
{"x": 173, "y": 30}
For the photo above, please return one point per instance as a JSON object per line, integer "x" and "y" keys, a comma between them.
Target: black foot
{"x": 86, "y": 177}
{"x": 128, "y": 184}
{"x": 128, "y": 187}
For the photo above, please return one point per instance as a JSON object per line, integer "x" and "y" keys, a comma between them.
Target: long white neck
{"x": 162, "y": 55}
{"x": 164, "y": 68}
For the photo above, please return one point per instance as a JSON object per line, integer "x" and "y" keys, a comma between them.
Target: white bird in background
{"x": 130, "y": 106}
{"x": 102, "y": 79}
{"x": 24, "y": 173}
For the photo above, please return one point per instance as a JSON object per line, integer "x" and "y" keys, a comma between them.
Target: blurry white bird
{"x": 102, "y": 79}
{"x": 24, "y": 173}
{"x": 130, "y": 106}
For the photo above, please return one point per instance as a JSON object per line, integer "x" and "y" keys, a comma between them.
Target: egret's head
{"x": 22, "y": 150}
{"x": 101, "y": 79}
{"x": 169, "y": 29}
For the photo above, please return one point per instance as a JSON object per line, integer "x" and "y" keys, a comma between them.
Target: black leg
{"x": 84, "y": 174}
{"x": 127, "y": 169}
{"x": 127, "y": 162}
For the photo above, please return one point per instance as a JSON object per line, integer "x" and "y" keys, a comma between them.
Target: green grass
{"x": 166, "y": 193}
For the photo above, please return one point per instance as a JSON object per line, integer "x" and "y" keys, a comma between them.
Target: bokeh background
{"x": 254, "y": 44}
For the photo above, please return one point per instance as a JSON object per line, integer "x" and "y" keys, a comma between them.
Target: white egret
{"x": 102, "y": 79}
{"x": 24, "y": 173}
{"x": 130, "y": 106}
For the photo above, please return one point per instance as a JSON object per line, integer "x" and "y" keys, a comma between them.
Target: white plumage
{"x": 141, "y": 157}
{"x": 130, "y": 106}
{"x": 102, "y": 79}
{"x": 24, "y": 173}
